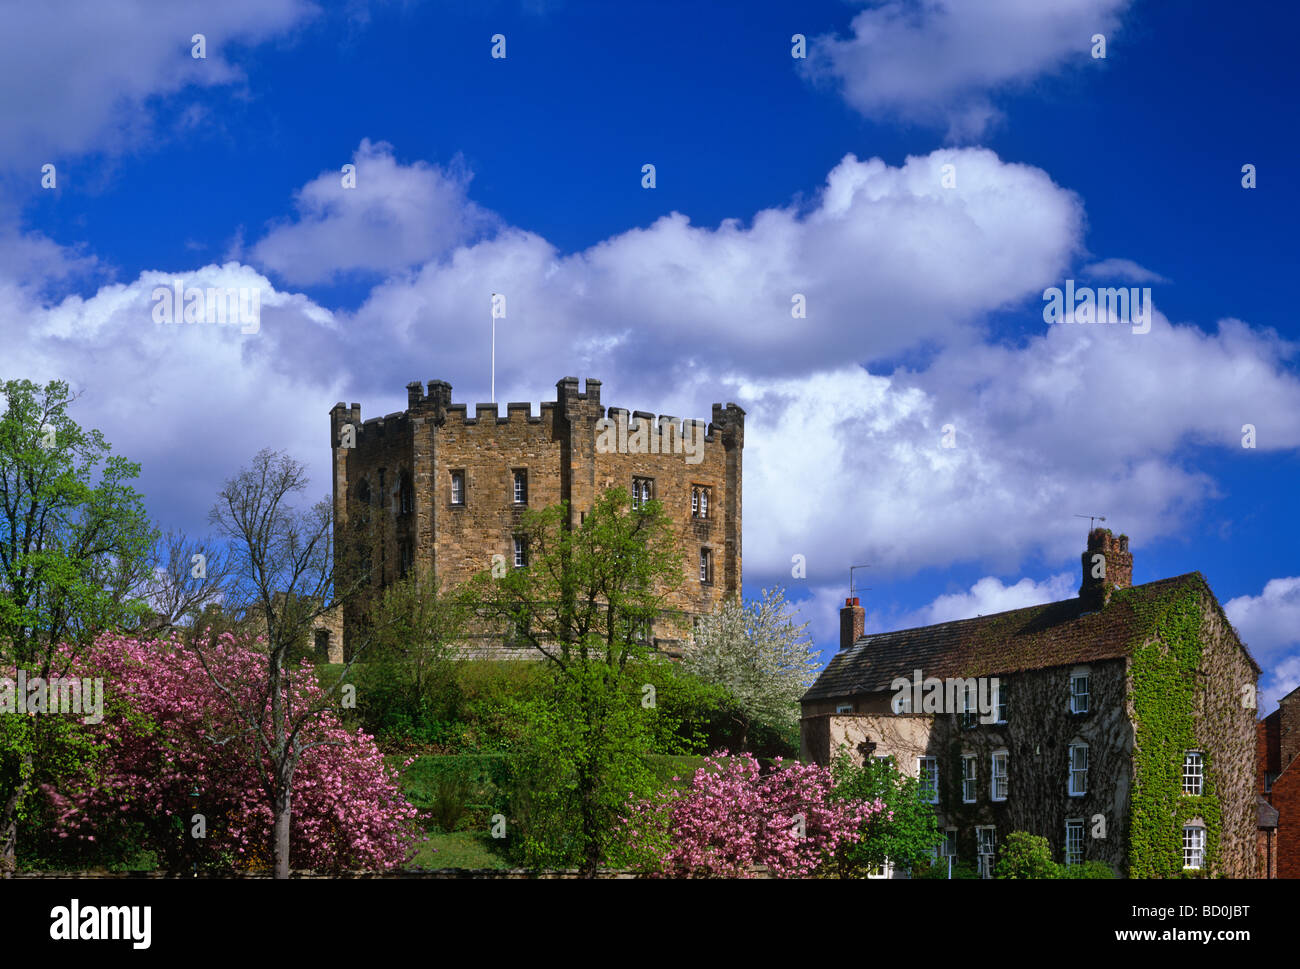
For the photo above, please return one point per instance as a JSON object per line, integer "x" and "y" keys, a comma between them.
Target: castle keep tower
{"x": 452, "y": 488}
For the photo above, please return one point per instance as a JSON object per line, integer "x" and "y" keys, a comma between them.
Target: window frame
{"x": 1077, "y": 826}
{"x": 969, "y": 776}
{"x": 457, "y": 478}
{"x": 1196, "y": 846}
{"x": 1075, "y": 771}
{"x": 969, "y": 715}
{"x": 984, "y": 858}
{"x": 1086, "y": 695}
{"x": 520, "y": 557}
{"x": 643, "y": 491}
{"x": 1002, "y": 702}
{"x": 1005, "y": 776}
{"x": 519, "y": 487}
{"x": 931, "y": 775}
{"x": 700, "y": 501}
{"x": 706, "y": 565}
{"x": 405, "y": 493}
{"x": 1198, "y": 775}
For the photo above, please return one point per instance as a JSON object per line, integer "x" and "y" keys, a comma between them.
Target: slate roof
{"x": 1267, "y": 815}
{"x": 1035, "y": 637}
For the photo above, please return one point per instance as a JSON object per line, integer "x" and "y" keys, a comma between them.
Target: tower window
{"x": 521, "y": 553}
{"x": 706, "y": 566}
{"x": 458, "y": 487}
{"x": 642, "y": 492}
{"x": 700, "y": 501}
{"x": 406, "y": 493}
{"x": 521, "y": 487}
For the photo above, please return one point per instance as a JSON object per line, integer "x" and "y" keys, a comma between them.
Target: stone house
{"x": 1279, "y": 789}
{"x": 450, "y": 489}
{"x": 1122, "y": 726}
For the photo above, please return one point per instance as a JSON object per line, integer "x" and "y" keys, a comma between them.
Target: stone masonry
{"x": 446, "y": 482}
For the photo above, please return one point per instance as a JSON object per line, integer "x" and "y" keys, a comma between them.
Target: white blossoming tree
{"x": 759, "y": 653}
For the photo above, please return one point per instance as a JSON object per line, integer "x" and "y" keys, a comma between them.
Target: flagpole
{"x": 492, "y": 311}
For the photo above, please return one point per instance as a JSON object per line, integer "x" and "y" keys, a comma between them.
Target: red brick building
{"x": 1279, "y": 788}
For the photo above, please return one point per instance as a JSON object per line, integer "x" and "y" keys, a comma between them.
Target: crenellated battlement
{"x": 668, "y": 426}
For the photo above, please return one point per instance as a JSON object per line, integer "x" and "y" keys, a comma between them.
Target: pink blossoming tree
{"x": 171, "y": 747}
{"x": 733, "y": 817}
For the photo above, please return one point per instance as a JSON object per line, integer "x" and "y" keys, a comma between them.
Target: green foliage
{"x": 693, "y": 716}
{"x": 486, "y": 779}
{"x": 583, "y": 762}
{"x": 1025, "y": 855}
{"x": 470, "y": 709}
{"x": 1087, "y": 869}
{"x": 590, "y": 591}
{"x": 938, "y": 868}
{"x": 451, "y": 791}
{"x": 75, "y": 545}
{"x": 666, "y": 767}
{"x": 74, "y": 537}
{"x": 906, "y": 833}
{"x": 1165, "y": 679}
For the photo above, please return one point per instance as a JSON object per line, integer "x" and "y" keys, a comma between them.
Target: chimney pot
{"x": 1115, "y": 564}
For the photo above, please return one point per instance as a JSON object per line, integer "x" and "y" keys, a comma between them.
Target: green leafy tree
{"x": 589, "y": 592}
{"x": 75, "y": 553}
{"x": 905, "y": 833}
{"x": 410, "y": 681}
{"x": 760, "y": 655}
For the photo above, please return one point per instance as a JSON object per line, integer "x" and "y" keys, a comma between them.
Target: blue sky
{"x": 774, "y": 176}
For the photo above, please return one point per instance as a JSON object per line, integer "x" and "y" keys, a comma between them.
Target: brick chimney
{"x": 852, "y": 619}
{"x": 1107, "y": 565}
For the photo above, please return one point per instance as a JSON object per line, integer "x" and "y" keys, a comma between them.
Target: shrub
{"x": 1087, "y": 869}
{"x": 905, "y": 834}
{"x": 1026, "y": 855}
{"x": 450, "y": 794}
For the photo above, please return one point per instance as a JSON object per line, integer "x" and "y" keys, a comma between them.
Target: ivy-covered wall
{"x": 1191, "y": 688}
{"x": 1038, "y": 734}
